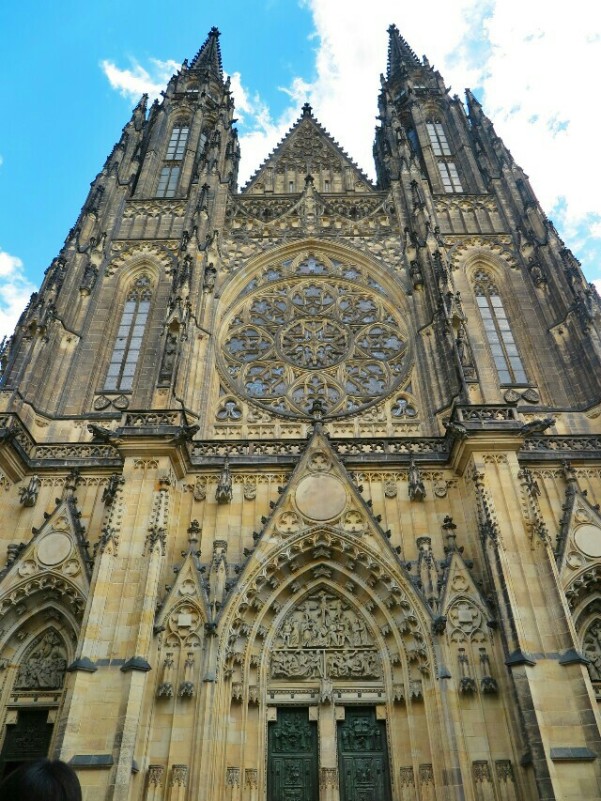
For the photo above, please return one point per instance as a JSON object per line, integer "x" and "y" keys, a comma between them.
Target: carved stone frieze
{"x": 179, "y": 776}
{"x": 323, "y": 637}
{"x": 251, "y": 777}
{"x": 155, "y": 775}
{"x": 232, "y": 777}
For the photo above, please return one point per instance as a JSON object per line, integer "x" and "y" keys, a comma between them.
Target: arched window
{"x": 498, "y": 332}
{"x": 170, "y": 172}
{"x": 125, "y": 354}
{"x": 444, "y": 158}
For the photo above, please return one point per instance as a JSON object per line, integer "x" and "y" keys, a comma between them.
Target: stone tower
{"x": 299, "y": 481}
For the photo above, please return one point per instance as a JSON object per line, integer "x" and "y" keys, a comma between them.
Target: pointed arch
{"x": 348, "y": 569}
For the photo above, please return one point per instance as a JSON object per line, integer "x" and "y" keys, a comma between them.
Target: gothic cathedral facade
{"x": 300, "y": 482}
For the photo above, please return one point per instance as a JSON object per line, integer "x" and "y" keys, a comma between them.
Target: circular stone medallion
{"x": 588, "y": 539}
{"x": 320, "y": 497}
{"x": 54, "y": 548}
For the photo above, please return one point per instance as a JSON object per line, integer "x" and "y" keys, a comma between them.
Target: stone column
{"x": 327, "y": 715}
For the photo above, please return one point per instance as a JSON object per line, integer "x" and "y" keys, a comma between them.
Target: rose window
{"x": 318, "y": 337}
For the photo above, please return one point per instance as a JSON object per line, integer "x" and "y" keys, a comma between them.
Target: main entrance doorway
{"x": 292, "y": 757}
{"x": 363, "y": 756}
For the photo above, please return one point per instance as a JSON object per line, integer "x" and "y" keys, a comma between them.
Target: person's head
{"x": 43, "y": 780}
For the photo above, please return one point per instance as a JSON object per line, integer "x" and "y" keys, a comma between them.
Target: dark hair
{"x": 43, "y": 780}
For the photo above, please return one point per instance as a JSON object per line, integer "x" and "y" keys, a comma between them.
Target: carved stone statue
{"x": 224, "y": 493}
{"x": 210, "y": 276}
{"x": 28, "y": 495}
{"x": 417, "y": 491}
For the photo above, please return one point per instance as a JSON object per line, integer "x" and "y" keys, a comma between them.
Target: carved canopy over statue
{"x": 44, "y": 665}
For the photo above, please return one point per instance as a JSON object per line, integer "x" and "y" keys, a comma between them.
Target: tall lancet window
{"x": 126, "y": 351}
{"x": 170, "y": 172}
{"x": 444, "y": 157}
{"x": 498, "y": 331}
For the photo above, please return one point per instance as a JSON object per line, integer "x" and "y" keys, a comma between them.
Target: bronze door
{"x": 292, "y": 757}
{"x": 362, "y": 756}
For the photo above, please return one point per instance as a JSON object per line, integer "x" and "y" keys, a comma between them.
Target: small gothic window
{"x": 498, "y": 331}
{"x": 168, "y": 181}
{"x": 449, "y": 176}
{"x": 446, "y": 166}
{"x": 438, "y": 139}
{"x": 126, "y": 352}
{"x": 177, "y": 143}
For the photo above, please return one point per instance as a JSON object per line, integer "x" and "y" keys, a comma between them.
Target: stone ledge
{"x": 579, "y": 754}
{"x": 92, "y": 761}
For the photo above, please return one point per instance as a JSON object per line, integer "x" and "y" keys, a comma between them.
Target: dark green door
{"x": 292, "y": 763}
{"x": 362, "y": 756}
{"x": 26, "y": 741}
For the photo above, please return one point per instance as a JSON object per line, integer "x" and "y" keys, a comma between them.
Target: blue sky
{"x": 72, "y": 71}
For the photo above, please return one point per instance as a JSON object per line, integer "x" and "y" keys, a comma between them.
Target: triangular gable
{"x": 322, "y": 555}
{"x": 56, "y": 557}
{"x": 579, "y": 538}
{"x": 307, "y": 149}
{"x": 183, "y": 612}
{"x": 461, "y": 602}
{"x": 320, "y": 492}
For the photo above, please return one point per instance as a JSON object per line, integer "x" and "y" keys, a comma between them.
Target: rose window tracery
{"x": 294, "y": 339}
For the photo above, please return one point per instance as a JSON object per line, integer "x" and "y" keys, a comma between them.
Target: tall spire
{"x": 209, "y": 55}
{"x": 400, "y": 56}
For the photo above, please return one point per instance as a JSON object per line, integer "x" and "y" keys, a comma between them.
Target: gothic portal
{"x": 300, "y": 482}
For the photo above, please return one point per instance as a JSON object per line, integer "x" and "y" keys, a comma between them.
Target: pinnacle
{"x": 400, "y": 55}
{"x": 209, "y": 55}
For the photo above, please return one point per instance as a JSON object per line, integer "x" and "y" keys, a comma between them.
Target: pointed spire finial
{"x": 400, "y": 55}
{"x": 209, "y": 55}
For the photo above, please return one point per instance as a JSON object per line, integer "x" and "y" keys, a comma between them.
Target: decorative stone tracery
{"x": 321, "y": 336}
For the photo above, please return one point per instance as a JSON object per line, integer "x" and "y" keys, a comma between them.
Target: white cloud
{"x": 15, "y": 290}
{"x": 134, "y": 82}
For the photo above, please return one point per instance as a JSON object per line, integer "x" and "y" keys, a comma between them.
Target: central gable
{"x": 308, "y": 149}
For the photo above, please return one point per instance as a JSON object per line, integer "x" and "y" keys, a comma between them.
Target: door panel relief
{"x": 362, "y": 756}
{"x": 292, "y": 760}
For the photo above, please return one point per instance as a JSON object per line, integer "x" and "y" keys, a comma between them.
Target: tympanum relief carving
{"x": 44, "y": 664}
{"x": 324, "y": 638}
